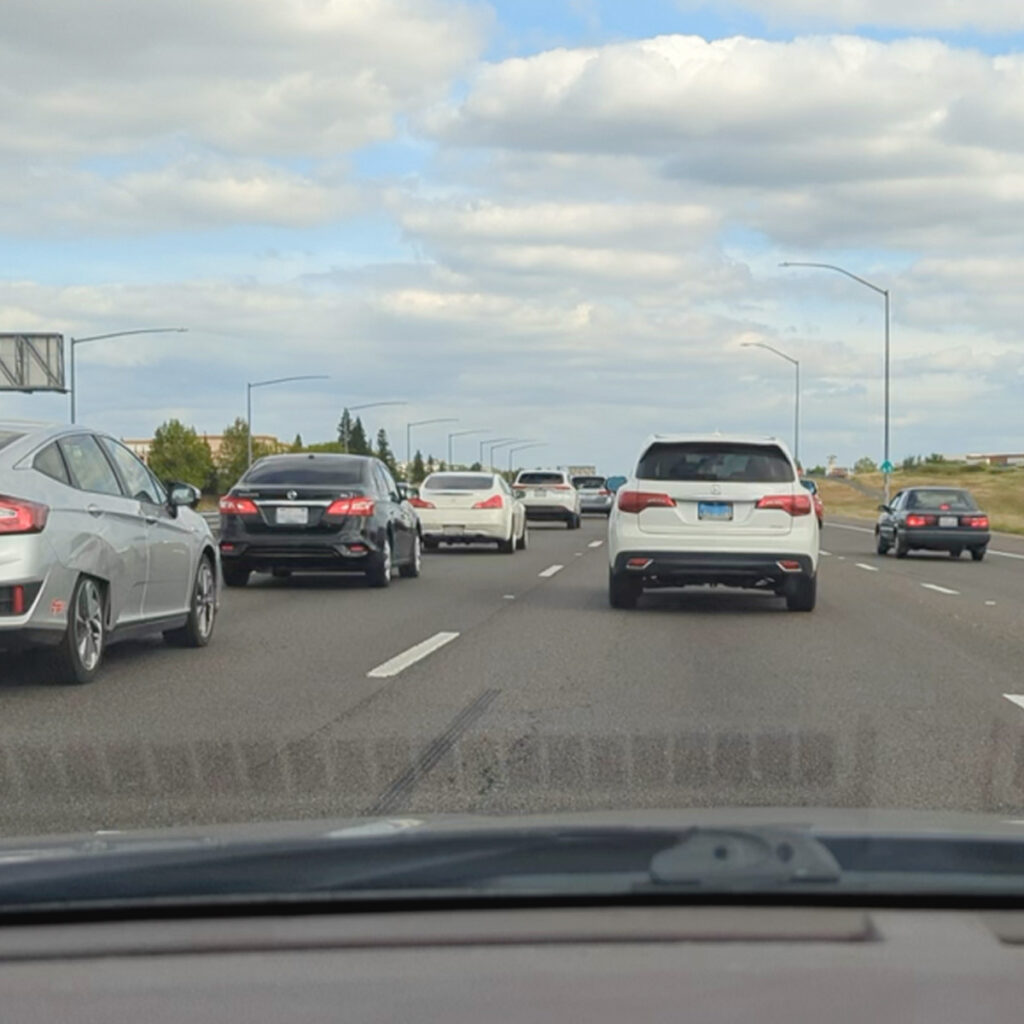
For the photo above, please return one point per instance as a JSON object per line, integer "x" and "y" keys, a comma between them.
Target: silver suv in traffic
{"x": 93, "y": 549}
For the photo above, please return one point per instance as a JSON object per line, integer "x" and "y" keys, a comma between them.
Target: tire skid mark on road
{"x": 429, "y": 757}
{"x": 400, "y": 662}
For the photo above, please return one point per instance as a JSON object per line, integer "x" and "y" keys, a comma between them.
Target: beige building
{"x": 142, "y": 447}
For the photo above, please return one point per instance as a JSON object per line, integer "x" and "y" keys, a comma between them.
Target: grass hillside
{"x": 999, "y": 492}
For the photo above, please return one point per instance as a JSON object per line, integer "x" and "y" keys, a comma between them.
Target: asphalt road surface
{"x": 531, "y": 694}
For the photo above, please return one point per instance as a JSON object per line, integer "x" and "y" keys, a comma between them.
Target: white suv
{"x": 549, "y": 494}
{"x": 713, "y": 509}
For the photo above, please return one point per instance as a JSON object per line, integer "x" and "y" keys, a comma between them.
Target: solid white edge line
{"x": 938, "y": 589}
{"x": 864, "y": 565}
{"x": 402, "y": 661}
{"x": 595, "y": 543}
{"x": 1015, "y": 698}
{"x": 1006, "y": 554}
{"x": 550, "y": 571}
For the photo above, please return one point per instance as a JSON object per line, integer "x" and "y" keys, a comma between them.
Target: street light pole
{"x": 459, "y": 433}
{"x": 796, "y": 404}
{"x": 422, "y": 423}
{"x": 492, "y": 440}
{"x": 522, "y": 448}
{"x": 365, "y": 405}
{"x": 266, "y": 384}
{"x": 502, "y": 444}
{"x": 884, "y": 292}
{"x": 75, "y": 342}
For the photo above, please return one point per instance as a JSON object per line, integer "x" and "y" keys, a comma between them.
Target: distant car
{"x": 549, "y": 495}
{"x": 407, "y": 491}
{"x": 713, "y": 509}
{"x": 933, "y": 519}
{"x": 471, "y": 508}
{"x": 95, "y": 549}
{"x": 594, "y": 494}
{"x": 819, "y": 506}
{"x": 320, "y": 513}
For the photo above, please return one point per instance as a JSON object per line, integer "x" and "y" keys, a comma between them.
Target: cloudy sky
{"x": 552, "y": 219}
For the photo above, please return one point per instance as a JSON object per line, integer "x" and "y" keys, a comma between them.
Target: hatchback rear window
{"x": 7, "y": 436}
{"x": 332, "y": 473}
{"x": 459, "y": 482}
{"x": 592, "y": 482}
{"x": 940, "y": 500}
{"x": 540, "y": 478}
{"x": 718, "y": 461}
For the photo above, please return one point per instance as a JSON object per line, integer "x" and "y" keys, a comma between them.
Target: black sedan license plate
{"x": 715, "y": 510}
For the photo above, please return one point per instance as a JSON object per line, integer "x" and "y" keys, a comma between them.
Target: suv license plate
{"x": 717, "y": 510}
{"x": 540, "y": 492}
{"x": 287, "y": 516}
{"x": 948, "y": 521}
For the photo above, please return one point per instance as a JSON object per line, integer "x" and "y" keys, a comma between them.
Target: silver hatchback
{"x": 94, "y": 549}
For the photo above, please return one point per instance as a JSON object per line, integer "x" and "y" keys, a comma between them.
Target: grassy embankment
{"x": 999, "y": 492}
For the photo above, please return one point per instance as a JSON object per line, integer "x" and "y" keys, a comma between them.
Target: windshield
{"x": 278, "y": 274}
{"x": 459, "y": 482}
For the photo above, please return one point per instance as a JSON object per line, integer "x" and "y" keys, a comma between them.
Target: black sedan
{"x": 318, "y": 513}
{"x": 933, "y": 519}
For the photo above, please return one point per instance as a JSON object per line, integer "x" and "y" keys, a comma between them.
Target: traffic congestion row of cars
{"x": 94, "y": 548}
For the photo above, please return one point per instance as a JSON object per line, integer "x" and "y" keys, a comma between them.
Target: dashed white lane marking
{"x": 842, "y": 558}
{"x": 1015, "y": 698}
{"x": 864, "y": 565}
{"x": 579, "y": 554}
{"x": 827, "y": 553}
{"x": 990, "y": 604}
{"x": 843, "y": 526}
{"x": 509, "y": 597}
{"x": 595, "y": 543}
{"x": 550, "y": 571}
{"x": 402, "y": 661}
{"x": 938, "y": 589}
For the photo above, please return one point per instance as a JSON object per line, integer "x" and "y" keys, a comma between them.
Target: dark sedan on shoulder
{"x": 318, "y": 513}
{"x": 933, "y": 519}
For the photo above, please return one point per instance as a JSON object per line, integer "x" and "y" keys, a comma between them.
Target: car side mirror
{"x": 183, "y": 494}
{"x": 519, "y": 493}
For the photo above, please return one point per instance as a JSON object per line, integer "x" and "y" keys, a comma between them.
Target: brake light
{"x": 351, "y": 507}
{"x": 603, "y": 494}
{"x": 492, "y": 502}
{"x": 561, "y": 487}
{"x": 229, "y": 505}
{"x": 918, "y": 520}
{"x": 420, "y": 503}
{"x": 20, "y": 516}
{"x": 794, "y": 504}
{"x": 977, "y": 522}
{"x": 637, "y": 501}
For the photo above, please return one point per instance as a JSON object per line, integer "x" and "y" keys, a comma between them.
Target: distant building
{"x": 142, "y": 447}
{"x": 993, "y": 459}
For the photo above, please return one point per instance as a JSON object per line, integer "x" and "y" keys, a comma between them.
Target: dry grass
{"x": 1000, "y": 493}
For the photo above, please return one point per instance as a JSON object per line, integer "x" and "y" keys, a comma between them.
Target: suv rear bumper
{"x": 689, "y": 568}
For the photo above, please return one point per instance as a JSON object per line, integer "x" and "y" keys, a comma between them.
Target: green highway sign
{"x": 887, "y": 466}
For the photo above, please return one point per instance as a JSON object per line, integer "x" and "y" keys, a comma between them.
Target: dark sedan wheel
{"x": 77, "y": 659}
{"x": 379, "y": 573}
{"x": 882, "y": 546}
{"x": 978, "y": 553}
{"x": 202, "y": 611}
{"x": 902, "y": 547}
{"x": 955, "y": 552}
{"x": 412, "y": 568}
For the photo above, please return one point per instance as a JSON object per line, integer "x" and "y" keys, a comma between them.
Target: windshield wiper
{"x": 555, "y": 861}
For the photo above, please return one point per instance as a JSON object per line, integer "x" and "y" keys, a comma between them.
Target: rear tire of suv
{"x": 802, "y": 593}
{"x": 623, "y": 591}
{"x": 430, "y": 545}
{"x": 235, "y": 575}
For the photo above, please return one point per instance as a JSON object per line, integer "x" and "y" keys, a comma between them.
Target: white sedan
{"x": 470, "y": 508}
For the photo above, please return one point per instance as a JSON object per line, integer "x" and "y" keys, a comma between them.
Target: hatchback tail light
{"x": 351, "y": 507}
{"x": 229, "y": 505}
{"x": 637, "y": 501}
{"x": 420, "y": 503}
{"x": 794, "y": 504}
{"x": 914, "y": 520}
{"x": 493, "y": 502}
{"x": 603, "y": 494}
{"x": 561, "y": 487}
{"x": 20, "y": 516}
{"x": 976, "y": 522}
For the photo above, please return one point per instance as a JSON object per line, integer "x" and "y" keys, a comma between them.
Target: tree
{"x": 344, "y": 426}
{"x": 417, "y": 471}
{"x": 179, "y": 453}
{"x": 357, "y": 442}
{"x": 911, "y": 462}
{"x": 384, "y": 452}
{"x": 233, "y": 457}
{"x": 431, "y": 464}
{"x": 816, "y": 471}
{"x": 865, "y": 465}
{"x": 476, "y": 468}
{"x": 935, "y": 459}
{"x": 296, "y": 444}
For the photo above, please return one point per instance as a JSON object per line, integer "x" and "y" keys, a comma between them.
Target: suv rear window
{"x": 459, "y": 482}
{"x": 304, "y": 470}
{"x": 541, "y": 478}
{"x": 593, "y": 482}
{"x": 719, "y": 461}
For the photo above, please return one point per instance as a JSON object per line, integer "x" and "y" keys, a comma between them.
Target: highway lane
{"x": 890, "y": 694}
